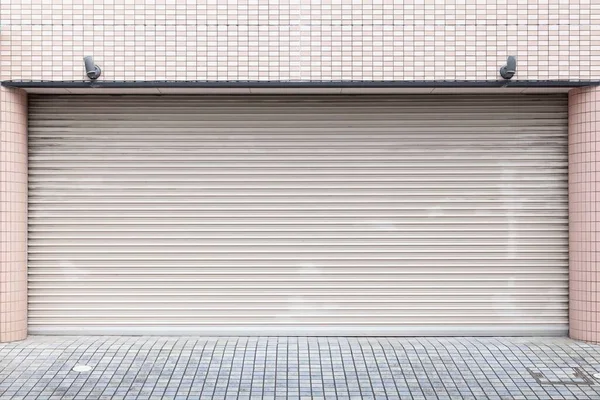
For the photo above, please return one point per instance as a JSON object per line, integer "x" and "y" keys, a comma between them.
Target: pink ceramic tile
{"x": 302, "y": 40}
{"x": 232, "y": 43}
{"x": 13, "y": 177}
{"x": 584, "y": 273}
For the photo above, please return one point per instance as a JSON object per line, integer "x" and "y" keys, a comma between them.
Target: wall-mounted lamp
{"x": 92, "y": 70}
{"x": 508, "y": 71}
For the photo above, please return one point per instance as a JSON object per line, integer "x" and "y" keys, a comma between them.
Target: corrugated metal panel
{"x": 298, "y": 214}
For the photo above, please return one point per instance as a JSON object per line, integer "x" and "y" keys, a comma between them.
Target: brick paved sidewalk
{"x": 291, "y": 368}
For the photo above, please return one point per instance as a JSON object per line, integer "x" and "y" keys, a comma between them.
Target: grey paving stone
{"x": 295, "y": 368}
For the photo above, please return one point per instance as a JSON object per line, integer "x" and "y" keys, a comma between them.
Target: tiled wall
{"x": 13, "y": 215}
{"x": 584, "y": 219}
{"x": 300, "y": 39}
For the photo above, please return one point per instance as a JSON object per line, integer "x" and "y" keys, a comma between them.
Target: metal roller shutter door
{"x": 375, "y": 215}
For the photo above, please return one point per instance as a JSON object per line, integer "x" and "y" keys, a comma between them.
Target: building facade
{"x": 299, "y": 168}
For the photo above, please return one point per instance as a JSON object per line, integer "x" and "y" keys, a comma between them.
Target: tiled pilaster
{"x": 13, "y": 215}
{"x": 584, "y": 216}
